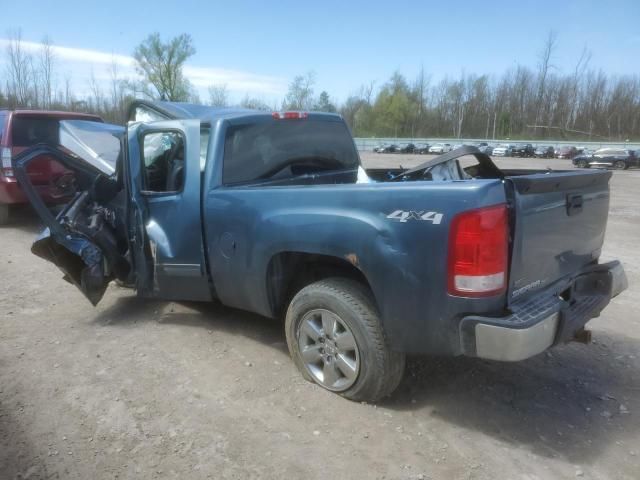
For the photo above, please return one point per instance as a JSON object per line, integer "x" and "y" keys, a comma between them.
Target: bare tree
{"x": 68, "y": 97}
{"x": 218, "y": 95}
{"x": 254, "y": 103}
{"x": 300, "y": 93}
{"x": 46, "y": 66}
{"x": 578, "y": 73}
{"x": 544, "y": 65}
{"x": 96, "y": 98}
{"x": 18, "y": 70}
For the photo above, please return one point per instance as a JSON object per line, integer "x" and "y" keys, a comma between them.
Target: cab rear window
{"x": 28, "y": 131}
{"x": 279, "y": 149}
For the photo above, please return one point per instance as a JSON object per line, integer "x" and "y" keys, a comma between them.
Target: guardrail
{"x": 367, "y": 144}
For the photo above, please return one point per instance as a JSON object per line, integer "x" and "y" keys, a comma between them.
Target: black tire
{"x": 380, "y": 368}
{"x": 620, "y": 165}
{"x": 4, "y": 214}
{"x": 582, "y": 164}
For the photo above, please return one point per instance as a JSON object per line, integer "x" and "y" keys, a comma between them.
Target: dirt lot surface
{"x": 139, "y": 389}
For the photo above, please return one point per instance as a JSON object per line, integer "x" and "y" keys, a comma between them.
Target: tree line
{"x": 545, "y": 101}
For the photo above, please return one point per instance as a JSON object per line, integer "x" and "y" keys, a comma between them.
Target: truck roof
{"x": 205, "y": 113}
{"x": 55, "y": 114}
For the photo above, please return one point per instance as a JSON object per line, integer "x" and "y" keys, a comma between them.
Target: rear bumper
{"x": 10, "y": 191}
{"x": 550, "y": 317}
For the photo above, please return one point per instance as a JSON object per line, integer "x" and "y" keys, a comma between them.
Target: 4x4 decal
{"x": 404, "y": 216}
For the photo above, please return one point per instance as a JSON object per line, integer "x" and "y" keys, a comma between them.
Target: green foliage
{"x": 161, "y": 65}
{"x": 392, "y": 110}
{"x": 323, "y": 104}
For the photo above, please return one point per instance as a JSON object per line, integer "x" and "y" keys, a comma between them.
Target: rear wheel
{"x": 4, "y": 213}
{"x": 336, "y": 340}
{"x": 620, "y": 165}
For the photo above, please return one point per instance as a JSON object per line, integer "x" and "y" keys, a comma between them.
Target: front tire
{"x": 620, "y": 165}
{"x": 582, "y": 164}
{"x": 336, "y": 340}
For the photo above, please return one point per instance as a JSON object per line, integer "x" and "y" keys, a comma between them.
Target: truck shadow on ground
{"x": 573, "y": 402}
{"x": 209, "y": 316}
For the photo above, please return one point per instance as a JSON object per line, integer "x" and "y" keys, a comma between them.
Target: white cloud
{"x": 81, "y": 63}
{"x": 77, "y": 54}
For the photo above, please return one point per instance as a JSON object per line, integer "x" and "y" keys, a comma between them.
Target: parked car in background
{"x": 523, "y": 150}
{"x": 391, "y": 148}
{"x": 19, "y": 130}
{"x": 617, "y": 158}
{"x": 440, "y": 148}
{"x": 566, "y": 151}
{"x": 502, "y": 150}
{"x": 407, "y": 148}
{"x": 386, "y": 148}
{"x": 544, "y": 152}
{"x": 582, "y": 160}
{"x": 422, "y": 148}
{"x": 484, "y": 147}
{"x": 380, "y": 147}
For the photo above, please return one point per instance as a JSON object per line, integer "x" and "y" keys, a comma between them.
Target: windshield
{"x": 96, "y": 143}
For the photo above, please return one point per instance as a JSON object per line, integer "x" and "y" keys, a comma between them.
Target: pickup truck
{"x": 273, "y": 213}
{"x": 525, "y": 150}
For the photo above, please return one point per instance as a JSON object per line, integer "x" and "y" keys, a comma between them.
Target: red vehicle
{"x": 566, "y": 152}
{"x": 21, "y": 129}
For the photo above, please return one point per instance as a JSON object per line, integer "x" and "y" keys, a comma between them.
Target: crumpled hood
{"x": 99, "y": 144}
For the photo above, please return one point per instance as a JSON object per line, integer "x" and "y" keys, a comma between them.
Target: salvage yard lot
{"x": 141, "y": 389}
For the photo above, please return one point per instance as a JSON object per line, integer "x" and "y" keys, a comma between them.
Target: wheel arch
{"x": 290, "y": 271}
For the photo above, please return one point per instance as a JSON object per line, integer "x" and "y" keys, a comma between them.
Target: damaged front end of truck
{"x": 87, "y": 239}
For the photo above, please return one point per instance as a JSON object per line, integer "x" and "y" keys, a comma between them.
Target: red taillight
{"x": 478, "y": 252}
{"x": 289, "y": 115}
{"x": 5, "y": 157}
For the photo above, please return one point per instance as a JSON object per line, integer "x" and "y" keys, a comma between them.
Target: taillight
{"x": 478, "y": 252}
{"x": 7, "y": 168}
{"x": 289, "y": 115}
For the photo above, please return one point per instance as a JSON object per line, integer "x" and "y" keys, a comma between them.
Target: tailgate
{"x": 559, "y": 225}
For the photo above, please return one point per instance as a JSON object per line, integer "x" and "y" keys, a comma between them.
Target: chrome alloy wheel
{"x": 328, "y": 349}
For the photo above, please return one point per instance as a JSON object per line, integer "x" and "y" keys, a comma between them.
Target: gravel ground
{"x": 140, "y": 389}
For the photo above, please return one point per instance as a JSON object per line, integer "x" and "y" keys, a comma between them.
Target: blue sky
{"x": 256, "y": 47}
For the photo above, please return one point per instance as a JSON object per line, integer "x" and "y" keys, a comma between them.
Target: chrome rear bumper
{"x": 545, "y": 319}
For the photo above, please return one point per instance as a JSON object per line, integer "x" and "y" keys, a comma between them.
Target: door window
{"x": 163, "y": 155}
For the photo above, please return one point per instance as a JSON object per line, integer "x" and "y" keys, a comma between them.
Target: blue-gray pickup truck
{"x": 273, "y": 213}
